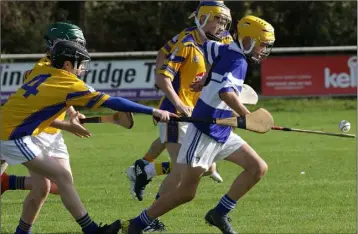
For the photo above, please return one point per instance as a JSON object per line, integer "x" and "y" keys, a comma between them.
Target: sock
{"x": 163, "y": 168}
{"x": 87, "y": 224}
{"x": 16, "y": 182}
{"x": 4, "y": 182}
{"x": 4, "y": 177}
{"x": 226, "y": 204}
{"x": 143, "y": 220}
{"x": 23, "y": 228}
{"x": 148, "y": 157}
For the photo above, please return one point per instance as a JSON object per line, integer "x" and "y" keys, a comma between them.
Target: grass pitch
{"x": 323, "y": 200}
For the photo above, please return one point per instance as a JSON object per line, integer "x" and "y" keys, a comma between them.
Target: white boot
{"x": 216, "y": 177}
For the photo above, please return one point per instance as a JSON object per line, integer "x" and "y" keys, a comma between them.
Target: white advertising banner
{"x": 132, "y": 79}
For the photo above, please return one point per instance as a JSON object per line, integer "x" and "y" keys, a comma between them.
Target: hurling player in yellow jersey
{"x": 184, "y": 64}
{"x": 51, "y": 138}
{"x": 36, "y": 104}
{"x": 157, "y": 147}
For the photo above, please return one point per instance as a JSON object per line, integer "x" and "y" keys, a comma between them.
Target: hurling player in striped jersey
{"x": 206, "y": 143}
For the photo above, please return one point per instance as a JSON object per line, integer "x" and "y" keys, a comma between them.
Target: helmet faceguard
{"x": 212, "y": 10}
{"x": 81, "y": 64}
{"x": 73, "y": 52}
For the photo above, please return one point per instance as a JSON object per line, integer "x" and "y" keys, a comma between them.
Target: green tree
{"x": 147, "y": 25}
{"x": 23, "y": 25}
{"x": 310, "y": 23}
{"x": 128, "y": 26}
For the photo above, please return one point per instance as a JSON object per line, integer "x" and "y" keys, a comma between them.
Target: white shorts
{"x": 172, "y": 132}
{"x": 19, "y": 151}
{"x": 52, "y": 145}
{"x": 200, "y": 150}
{"x": 27, "y": 148}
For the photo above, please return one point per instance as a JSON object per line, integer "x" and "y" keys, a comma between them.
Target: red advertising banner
{"x": 309, "y": 76}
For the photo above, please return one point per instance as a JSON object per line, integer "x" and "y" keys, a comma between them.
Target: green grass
{"x": 323, "y": 200}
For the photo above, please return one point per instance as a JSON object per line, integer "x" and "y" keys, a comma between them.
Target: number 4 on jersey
{"x": 31, "y": 87}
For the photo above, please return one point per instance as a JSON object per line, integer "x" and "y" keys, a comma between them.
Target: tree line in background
{"x": 147, "y": 25}
{"x": 140, "y": 26}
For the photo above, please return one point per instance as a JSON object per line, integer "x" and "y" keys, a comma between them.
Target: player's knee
{"x": 64, "y": 178}
{"x": 40, "y": 189}
{"x": 260, "y": 169}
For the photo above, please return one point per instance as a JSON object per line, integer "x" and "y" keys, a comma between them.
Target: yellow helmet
{"x": 213, "y": 9}
{"x": 195, "y": 13}
{"x": 210, "y": 10}
{"x": 259, "y": 31}
{"x": 192, "y": 15}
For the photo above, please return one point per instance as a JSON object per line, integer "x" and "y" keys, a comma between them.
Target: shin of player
{"x": 205, "y": 143}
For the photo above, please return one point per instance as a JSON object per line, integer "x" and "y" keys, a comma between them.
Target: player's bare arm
{"x": 165, "y": 84}
{"x": 159, "y": 61}
{"x": 71, "y": 111}
{"x": 232, "y": 100}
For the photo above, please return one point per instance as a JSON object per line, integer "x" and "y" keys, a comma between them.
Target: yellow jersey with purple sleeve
{"x": 46, "y": 93}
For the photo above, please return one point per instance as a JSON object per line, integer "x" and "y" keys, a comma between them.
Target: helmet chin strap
{"x": 200, "y": 26}
{"x": 251, "y": 47}
{"x": 209, "y": 36}
{"x": 248, "y": 52}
